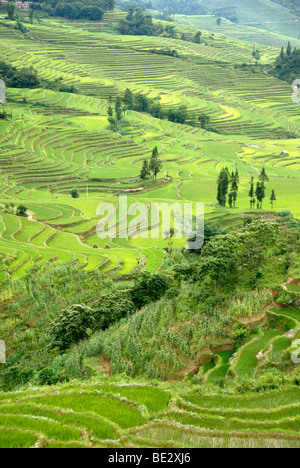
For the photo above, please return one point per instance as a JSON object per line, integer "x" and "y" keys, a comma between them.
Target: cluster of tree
{"x": 11, "y": 14}
{"x": 74, "y": 193}
{"x": 168, "y": 52}
{"x": 27, "y": 78}
{"x": 153, "y": 167}
{"x": 188, "y": 7}
{"x": 89, "y": 9}
{"x": 196, "y": 38}
{"x": 126, "y": 5}
{"x": 5, "y": 114}
{"x": 228, "y": 13}
{"x": 20, "y": 210}
{"x": 165, "y": 15}
{"x": 19, "y": 26}
{"x": 249, "y": 67}
{"x": 24, "y": 78}
{"x": 256, "y": 53}
{"x": 228, "y": 183}
{"x": 116, "y": 113}
{"x": 77, "y": 10}
{"x": 260, "y": 191}
{"x": 11, "y": 9}
{"x": 228, "y": 187}
{"x": 141, "y": 103}
{"x": 80, "y": 321}
{"x": 137, "y": 23}
{"x": 59, "y": 85}
{"x": 287, "y": 64}
{"x": 204, "y": 120}
{"x": 225, "y": 256}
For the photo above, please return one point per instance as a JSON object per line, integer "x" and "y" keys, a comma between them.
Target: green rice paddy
{"x": 135, "y": 415}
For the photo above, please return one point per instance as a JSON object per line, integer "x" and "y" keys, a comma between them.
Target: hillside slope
{"x": 259, "y": 21}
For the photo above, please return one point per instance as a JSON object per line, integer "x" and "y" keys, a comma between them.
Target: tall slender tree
{"x": 145, "y": 172}
{"x": 263, "y": 177}
{"x": 111, "y": 118}
{"x": 10, "y": 8}
{"x": 251, "y": 193}
{"x": 234, "y": 187}
{"x": 260, "y": 193}
{"x": 223, "y": 186}
{"x": 118, "y": 108}
{"x": 273, "y": 198}
{"x": 128, "y": 98}
{"x": 155, "y": 164}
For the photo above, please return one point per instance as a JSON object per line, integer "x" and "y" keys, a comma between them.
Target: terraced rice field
{"x": 58, "y": 141}
{"x": 109, "y": 415}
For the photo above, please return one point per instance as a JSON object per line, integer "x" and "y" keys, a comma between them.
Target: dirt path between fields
{"x": 289, "y": 281}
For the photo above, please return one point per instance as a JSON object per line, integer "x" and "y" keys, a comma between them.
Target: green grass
{"x": 40, "y": 426}
{"x": 71, "y": 416}
{"x": 247, "y": 360}
{"x": 13, "y": 438}
{"x": 266, "y": 401}
{"x": 118, "y": 412}
{"x": 96, "y": 426}
{"x": 279, "y": 346}
{"x": 294, "y": 287}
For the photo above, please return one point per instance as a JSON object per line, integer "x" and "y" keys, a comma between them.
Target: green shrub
{"x": 71, "y": 326}
{"x": 111, "y": 308}
{"x": 149, "y": 288}
{"x": 240, "y": 334}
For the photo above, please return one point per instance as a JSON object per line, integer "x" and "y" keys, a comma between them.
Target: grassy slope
{"x": 262, "y": 13}
{"x": 260, "y": 22}
{"x": 256, "y": 34}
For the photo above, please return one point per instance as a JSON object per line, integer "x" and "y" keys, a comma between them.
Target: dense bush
{"x": 141, "y": 103}
{"x": 27, "y": 78}
{"x": 23, "y": 78}
{"x": 287, "y": 65}
{"x": 148, "y": 289}
{"x": 111, "y": 308}
{"x": 138, "y": 24}
{"x": 78, "y": 10}
{"x": 188, "y": 7}
{"x": 89, "y": 9}
{"x": 71, "y": 326}
{"x": 15, "y": 376}
{"x": 168, "y": 52}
